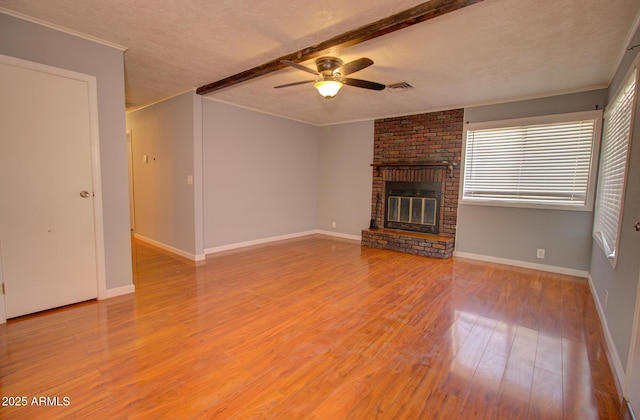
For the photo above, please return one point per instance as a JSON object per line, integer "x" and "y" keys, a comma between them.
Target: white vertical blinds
{"x": 613, "y": 165}
{"x": 545, "y": 164}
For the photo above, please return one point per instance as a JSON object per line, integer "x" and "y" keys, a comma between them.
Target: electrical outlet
{"x": 334, "y": 225}
{"x": 540, "y": 253}
{"x": 606, "y": 298}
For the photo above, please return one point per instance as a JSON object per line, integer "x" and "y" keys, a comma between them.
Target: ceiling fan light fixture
{"x": 328, "y": 88}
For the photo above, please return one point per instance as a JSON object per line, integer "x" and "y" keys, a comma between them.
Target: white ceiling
{"x": 490, "y": 52}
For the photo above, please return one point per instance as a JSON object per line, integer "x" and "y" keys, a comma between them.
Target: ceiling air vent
{"x": 398, "y": 87}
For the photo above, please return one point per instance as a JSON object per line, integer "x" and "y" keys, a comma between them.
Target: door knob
{"x": 85, "y": 194}
{"x": 637, "y": 226}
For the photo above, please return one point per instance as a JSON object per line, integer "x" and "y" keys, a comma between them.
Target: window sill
{"x": 611, "y": 256}
{"x": 587, "y": 208}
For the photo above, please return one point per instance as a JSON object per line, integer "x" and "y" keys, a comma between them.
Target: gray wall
{"x": 622, "y": 282}
{"x": 515, "y": 233}
{"x": 257, "y": 176}
{"x": 29, "y": 41}
{"x": 260, "y": 175}
{"x": 164, "y": 203}
{"x": 345, "y": 177}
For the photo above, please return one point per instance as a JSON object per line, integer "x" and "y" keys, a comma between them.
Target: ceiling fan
{"x": 331, "y": 72}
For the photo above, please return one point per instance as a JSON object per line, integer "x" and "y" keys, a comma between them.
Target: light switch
{"x": 189, "y": 179}
{"x": 145, "y": 159}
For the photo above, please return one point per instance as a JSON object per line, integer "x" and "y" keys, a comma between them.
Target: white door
{"x": 632, "y": 386}
{"x": 47, "y": 236}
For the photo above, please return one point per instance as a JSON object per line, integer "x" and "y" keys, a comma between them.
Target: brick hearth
{"x": 410, "y": 242}
{"x": 402, "y": 145}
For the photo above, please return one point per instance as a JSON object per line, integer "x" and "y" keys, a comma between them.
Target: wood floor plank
{"x": 546, "y": 395}
{"x": 485, "y": 386}
{"x": 317, "y": 327}
{"x": 578, "y": 388}
{"x": 515, "y": 391}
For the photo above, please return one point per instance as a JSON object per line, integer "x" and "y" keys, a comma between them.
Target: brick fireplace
{"x": 422, "y": 149}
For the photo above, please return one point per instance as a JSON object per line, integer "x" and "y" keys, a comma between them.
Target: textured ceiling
{"x": 492, "y": 51}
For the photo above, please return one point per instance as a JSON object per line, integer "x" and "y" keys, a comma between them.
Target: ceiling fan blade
{"x": 294, "y": 84}
{"x": 363, "y": 84}
{"x": 299, "y": 67}
{"x": 354, "y": 66}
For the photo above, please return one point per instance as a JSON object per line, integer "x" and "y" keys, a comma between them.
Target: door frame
{"x": 95, "y": 164}
{"x": 132, "y": 204}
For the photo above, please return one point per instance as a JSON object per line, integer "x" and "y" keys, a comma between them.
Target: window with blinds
{"x": 537, "y": 162}
{"x": 613, "y": 167}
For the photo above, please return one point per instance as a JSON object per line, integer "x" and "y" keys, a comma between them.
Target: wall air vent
{"x": 397, "y": 87}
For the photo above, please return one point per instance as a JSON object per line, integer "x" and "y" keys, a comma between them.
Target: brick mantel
{"x": 423, "y": 147}
{"x": 448, "y": 165}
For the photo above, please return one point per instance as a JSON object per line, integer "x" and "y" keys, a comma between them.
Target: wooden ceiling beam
{"x": 417, "y": 14}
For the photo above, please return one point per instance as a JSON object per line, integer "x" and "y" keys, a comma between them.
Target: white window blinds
{"x": 546, "y": 163}
{"x": 613, "y": 165}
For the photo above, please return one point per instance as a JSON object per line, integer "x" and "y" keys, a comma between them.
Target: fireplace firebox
{"x": 413, "y": 206}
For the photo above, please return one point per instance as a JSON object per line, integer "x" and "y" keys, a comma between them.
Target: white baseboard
{"x": 613, "y": 353}
{"x": 523, "y": 264}
{"x": 261, "y": 241}
{"x": 237, "y": 245}
{"x": 339, "y": 235}
{"x": 184, "y": 254}
{"x": 117, "y": 291}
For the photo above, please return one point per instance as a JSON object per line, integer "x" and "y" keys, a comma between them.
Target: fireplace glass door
{"x": 421, "y": 211}
{"x": 412, "y": 206}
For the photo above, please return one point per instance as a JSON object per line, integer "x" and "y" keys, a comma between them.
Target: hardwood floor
{"x": 316, "y": 328}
